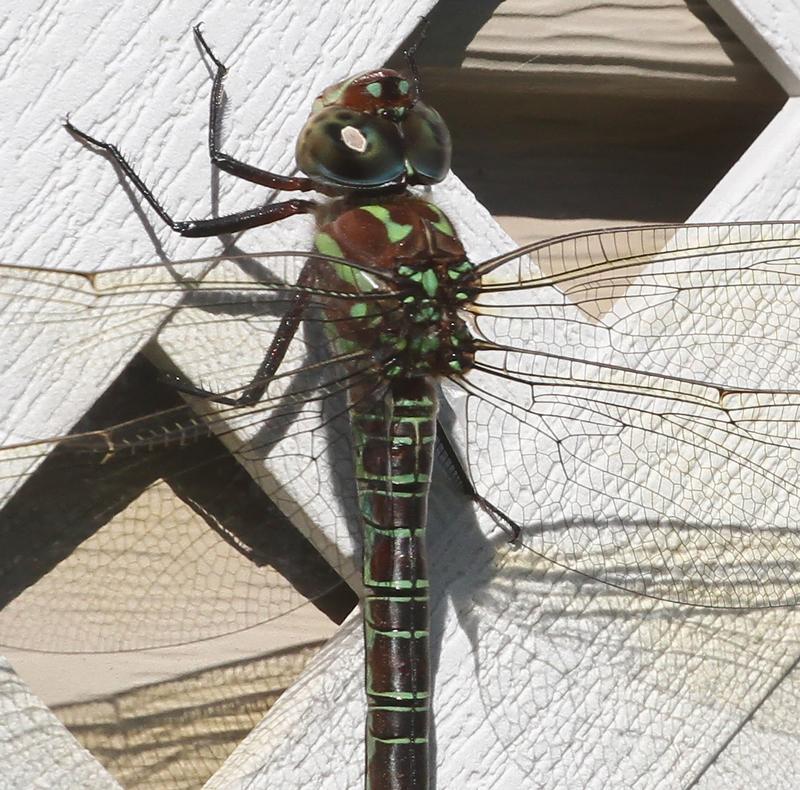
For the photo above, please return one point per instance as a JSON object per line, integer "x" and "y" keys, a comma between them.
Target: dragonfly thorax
{"x": 412, "y": 328}
{"x": 431, "y": 339}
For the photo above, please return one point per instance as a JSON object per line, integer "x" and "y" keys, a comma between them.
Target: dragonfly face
{"x": 371, "y": 135}
{"x": 371, "y": 132}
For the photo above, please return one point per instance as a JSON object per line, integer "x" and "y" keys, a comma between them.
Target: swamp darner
{"x": 539, "y": 375}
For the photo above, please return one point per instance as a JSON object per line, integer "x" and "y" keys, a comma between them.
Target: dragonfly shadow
{"x": 313, "y": 398}
{"x": 457, "y": 576}
{"x": 464, "y": 576}
{"x": 555, "y": 611}
{"x": 237, "y": 693}
{"x": 80, "y": 487}
{"x": 673, "y": 560}
{"x": 310, "y": 385}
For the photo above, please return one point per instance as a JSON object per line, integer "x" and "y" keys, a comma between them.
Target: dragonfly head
{"x": 372, "y": 132}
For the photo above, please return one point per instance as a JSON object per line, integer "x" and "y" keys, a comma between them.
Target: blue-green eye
{"x": 427, "y": 143}
{"x": 346, "y": 148}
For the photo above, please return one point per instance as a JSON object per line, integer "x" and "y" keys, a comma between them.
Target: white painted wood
{"x": 765, "y": 183}
{"x": 770, "y": 29}
{"x": 36, "y": 751}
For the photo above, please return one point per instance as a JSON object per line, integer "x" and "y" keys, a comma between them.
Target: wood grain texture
{"x": 660, "y": 49}
{"x": 567, "y": 115}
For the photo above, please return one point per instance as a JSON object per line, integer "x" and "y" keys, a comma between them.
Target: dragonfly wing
{"x": 653, "y": 427}
{"x": 716, "y": 302}
{"x": 287, "y": 442}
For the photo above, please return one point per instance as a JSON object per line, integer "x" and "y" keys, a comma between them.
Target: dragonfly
{"x": 607, "y": 435}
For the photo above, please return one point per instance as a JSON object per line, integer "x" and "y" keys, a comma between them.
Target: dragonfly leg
{"x": 254, "y": 391}
{"x": 511, "y": 528}
{"x": 225, "y": 161}
{"x": 410, "y": 54}
{"x": 230, "y": 223}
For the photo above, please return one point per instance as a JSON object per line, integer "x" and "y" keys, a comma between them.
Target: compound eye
{"x": 428, "y": 145}
{"x": 346, "y": 148}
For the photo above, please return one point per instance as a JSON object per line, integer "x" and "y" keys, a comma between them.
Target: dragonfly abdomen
{"x": 393, "y": 444}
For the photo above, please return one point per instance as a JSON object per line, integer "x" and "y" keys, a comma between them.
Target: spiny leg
{"x": 225, "y": 161}
{"x": 253, "y": 392}
{"x": 511, "y": 528}
{"x": 410, "y": 54}
{"x": 230, "y": 223}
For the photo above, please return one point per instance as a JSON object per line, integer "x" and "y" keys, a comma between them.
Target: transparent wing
{"x": 641, "y": 424}
{"x": 94, "y": 555}
{"x": 610, "y": 419}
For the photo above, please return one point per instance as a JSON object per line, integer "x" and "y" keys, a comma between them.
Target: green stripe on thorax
{"x": 442, "y": 224}
{"x": 427, "y": 278}
{"x": 396, "y": 231}
{"x": 363, "y": 281}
